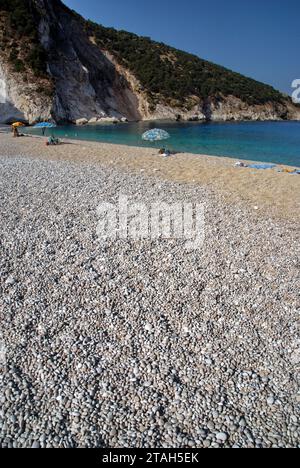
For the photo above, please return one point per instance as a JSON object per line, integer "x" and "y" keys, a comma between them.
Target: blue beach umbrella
{"x": 44, "y": 125}
{"x": 155, "y": 135}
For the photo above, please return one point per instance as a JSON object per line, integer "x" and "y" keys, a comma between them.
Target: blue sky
{"x": 259, "y": 38}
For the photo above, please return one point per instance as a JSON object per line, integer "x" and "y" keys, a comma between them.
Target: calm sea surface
{"x": 277, "y": 142}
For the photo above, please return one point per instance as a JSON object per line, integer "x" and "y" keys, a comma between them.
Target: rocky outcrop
{"x": 90, "y": 85}
{"x": 231, "y": 108}
{"x": 227, "y": 108}
{"x": 87, "y": 84}
{"x": 21, "y": 100}
{"x": 81, "y": 121}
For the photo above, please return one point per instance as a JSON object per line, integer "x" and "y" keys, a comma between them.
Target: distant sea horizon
{"x": 268, "y": 141}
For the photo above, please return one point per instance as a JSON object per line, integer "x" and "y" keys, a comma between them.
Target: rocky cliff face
{"x": 87, "y": 81}
{"x": 20, "y": 100}
{"x": 226, "y": 108}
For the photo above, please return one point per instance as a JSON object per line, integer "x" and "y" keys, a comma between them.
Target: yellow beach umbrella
{"x": 18, "y": 124}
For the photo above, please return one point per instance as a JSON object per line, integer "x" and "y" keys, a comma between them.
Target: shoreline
{"x": 66, "y": 138}
{"x": 266, "y": 191}
{"x": 257, "y": 160}
{"x": 272, "y": 157}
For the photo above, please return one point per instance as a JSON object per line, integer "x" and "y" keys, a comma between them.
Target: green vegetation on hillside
{"x": 166, "y": 75}
{"x": 176, "y": 76}
{"x": 19, "y": 35}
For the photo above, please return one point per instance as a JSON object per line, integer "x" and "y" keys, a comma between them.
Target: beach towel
{"x": 289, "y": 171}
{"x": 262, "y": 166}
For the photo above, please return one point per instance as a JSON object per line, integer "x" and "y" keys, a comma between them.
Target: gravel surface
{"x": 141, "y": 344}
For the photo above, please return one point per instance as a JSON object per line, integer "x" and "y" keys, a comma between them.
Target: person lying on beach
{"x": 52, "y": 141}
{"x": 165, "y": 152}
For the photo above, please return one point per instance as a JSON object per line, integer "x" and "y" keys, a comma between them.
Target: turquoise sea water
{"x": 277, "y": 142}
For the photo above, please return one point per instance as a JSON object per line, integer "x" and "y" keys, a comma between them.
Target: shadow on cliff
{"x": 87, "y": 83}
{"x": 9, "y": 114}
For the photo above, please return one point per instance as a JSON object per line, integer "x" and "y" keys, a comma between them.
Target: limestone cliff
{"x": 86, "y": 83}
{"x": 64, "y": 68}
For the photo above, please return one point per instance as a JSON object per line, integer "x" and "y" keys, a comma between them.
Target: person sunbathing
{"x": 52, "y": 141}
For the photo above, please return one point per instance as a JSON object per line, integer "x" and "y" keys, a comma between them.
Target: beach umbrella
{"x": 18, "y": 124}
{"x": 44, "y": 125}
{"x": 155, "y": 135}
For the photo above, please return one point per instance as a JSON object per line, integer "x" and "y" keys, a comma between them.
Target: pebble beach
{"x": 141, "y": 343}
